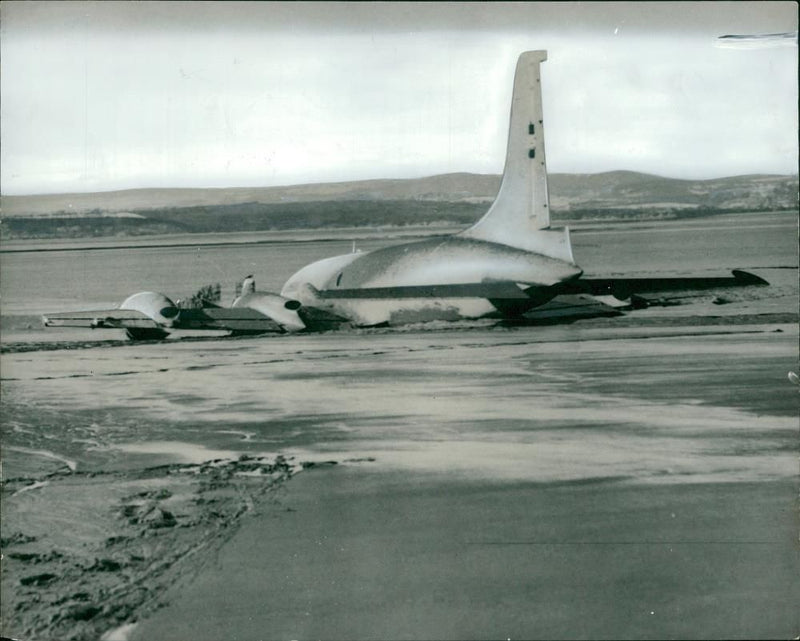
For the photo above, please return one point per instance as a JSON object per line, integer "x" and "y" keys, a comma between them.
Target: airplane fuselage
{"x": 389, "y": 285}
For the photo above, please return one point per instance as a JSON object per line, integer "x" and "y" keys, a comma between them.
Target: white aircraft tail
{"x": 520, "y": 214}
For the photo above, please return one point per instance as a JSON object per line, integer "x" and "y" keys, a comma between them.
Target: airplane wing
{"x": 620, "y": 288}
{"x": 107, "y": 319}
{"x": 592, "y": 297}
{"x": 235, "y": 319}
{"x": 491, "y": 290}
{"x": 623, "y": 288}
{"x": 247, "y": 319}
{"x": 241, "y": 319}
{"x": 152, "y": 316}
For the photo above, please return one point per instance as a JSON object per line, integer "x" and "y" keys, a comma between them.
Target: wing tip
{"x": 746, "y": 278}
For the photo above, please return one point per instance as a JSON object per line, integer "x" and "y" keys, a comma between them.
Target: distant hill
{"x": 567, "y": 191}
{"x": 449, "y": 198}
{"x": 621, "y": 189}
{"x": 447, "y": 188}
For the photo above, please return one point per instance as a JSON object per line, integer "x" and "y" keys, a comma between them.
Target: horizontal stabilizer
{"x": 490, "y": 290}
{"x": 622, "y": 288}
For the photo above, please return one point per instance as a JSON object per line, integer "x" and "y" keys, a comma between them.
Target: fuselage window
{"x": 339, "y": 279}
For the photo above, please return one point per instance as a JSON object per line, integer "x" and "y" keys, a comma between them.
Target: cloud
{"x": 171, "y": 104}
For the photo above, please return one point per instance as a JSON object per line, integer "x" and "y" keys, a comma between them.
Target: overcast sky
{"x": 100, "y": 96}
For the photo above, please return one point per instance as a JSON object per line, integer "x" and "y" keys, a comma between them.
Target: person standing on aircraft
{"x": 248, "y": 285}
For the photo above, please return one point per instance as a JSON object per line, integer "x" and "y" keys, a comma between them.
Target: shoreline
{"x": 338, "y": 234}
{"x": 43, "y": 339}
{"x": 227, "y": 239}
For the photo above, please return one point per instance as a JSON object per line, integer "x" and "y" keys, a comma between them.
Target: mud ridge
{"x": 137, "y": 533}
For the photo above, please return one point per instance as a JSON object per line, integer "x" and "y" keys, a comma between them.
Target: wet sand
{"x": 515, "y": 482}
{"x": 368, "y": 555}
{"x": 84, "y": 552}
{"x": 672, "y": 514}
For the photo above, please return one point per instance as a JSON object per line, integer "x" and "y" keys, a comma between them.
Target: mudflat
{"x": 532, "y": 482}
{"x": 358, "y": 554}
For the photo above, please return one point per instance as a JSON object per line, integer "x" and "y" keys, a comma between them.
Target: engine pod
{"x": 157, "y": 306}
{"x": 278, "y": 308}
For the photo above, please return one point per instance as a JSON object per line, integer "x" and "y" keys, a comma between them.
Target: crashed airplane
{"x": 510, "y": 263}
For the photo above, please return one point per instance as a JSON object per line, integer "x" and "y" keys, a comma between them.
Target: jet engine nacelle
{"x": 279, "y": 308}
{"x": 157, "y": 306}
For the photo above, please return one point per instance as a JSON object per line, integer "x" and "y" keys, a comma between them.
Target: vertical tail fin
{"x": 520, "y": 214}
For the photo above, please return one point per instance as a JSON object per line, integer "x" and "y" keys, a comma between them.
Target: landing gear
{"x": 146, "y": 333}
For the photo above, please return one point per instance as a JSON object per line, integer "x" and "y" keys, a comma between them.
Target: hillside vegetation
{"x": 458, "y": 199}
